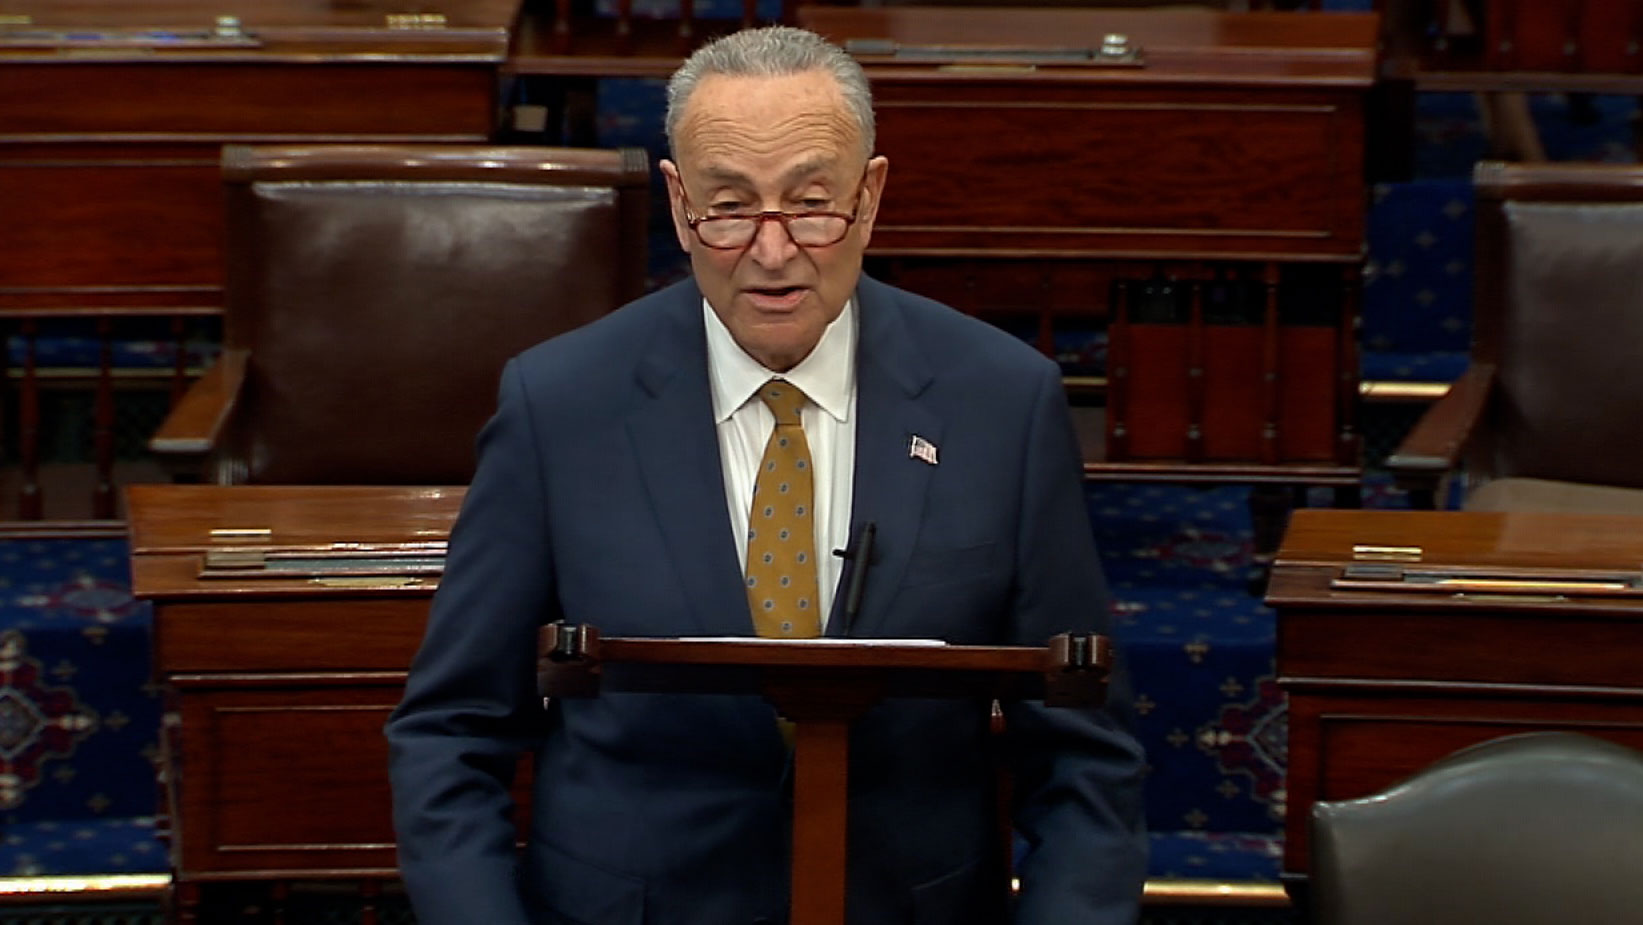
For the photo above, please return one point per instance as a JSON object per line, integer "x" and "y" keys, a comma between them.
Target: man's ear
{"x": 872, "y": 188}
{"x": 676, "y": 202}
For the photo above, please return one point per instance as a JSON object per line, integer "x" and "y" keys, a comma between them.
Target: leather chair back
{"x": 1560, "y": 314}
{"x": 1528, "y": 829}
{"x": 380, "y": 289}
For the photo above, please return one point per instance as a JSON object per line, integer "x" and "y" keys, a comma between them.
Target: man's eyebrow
{"x": 804, "y": 169}
{"x": 724, "y": 175}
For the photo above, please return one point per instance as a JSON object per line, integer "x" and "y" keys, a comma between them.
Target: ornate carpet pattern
{"x": 79, "y": 719}
{"x": 1199, "y": 647}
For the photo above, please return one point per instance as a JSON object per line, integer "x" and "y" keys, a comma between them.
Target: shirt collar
{"x": 827, "y": 375}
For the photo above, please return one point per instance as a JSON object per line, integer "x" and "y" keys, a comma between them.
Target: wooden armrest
{"x": 194, "y": 427}
{"x": 1433, "y": 448}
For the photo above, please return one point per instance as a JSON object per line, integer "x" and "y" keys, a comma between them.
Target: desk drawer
{"x": 285, "y": 779}
{"x": 288, "y": 779}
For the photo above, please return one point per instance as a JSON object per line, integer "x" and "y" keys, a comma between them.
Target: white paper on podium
{"x": 818, "y": 640}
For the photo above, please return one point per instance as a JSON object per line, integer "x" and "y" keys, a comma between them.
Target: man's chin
{"x": 778, "y": 346}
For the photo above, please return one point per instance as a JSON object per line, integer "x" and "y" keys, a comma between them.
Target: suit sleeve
{"x": 470, "y": 706}
{"x": 1076, "y": 773}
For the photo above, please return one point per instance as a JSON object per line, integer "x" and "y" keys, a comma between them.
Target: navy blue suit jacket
{"x": 599, "y": 498}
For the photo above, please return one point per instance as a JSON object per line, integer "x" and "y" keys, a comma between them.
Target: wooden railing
{"x": 34, "y": 487}
{"x": 1593, "y": 45}
{"x": 571, "y": 32}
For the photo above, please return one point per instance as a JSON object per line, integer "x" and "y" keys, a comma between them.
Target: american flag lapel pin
{"x": 921, "y": 448}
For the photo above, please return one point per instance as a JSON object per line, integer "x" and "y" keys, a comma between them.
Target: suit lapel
{"x": 890, "y": 485}
{"x": 678, "y": 452}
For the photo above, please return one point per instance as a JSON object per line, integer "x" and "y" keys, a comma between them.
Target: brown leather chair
{"x": 1547, "y": 416}
{"x": 1529, "y": 829}
{"x": 374, "y": 292}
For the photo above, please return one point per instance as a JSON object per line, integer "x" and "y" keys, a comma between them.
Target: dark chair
{"x": 1546, "y": 417}
{"x": 1531, "y": 829}
{"x": 374, "y": 292}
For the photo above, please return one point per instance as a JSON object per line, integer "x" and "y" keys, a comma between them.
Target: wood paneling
{"x": 1206, "y": 173}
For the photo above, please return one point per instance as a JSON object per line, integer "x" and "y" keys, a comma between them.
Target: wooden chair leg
{"x": 1510, "y": 127}
{"x": 369, "y": 892}
{"x": 182, "y": 903}
{"x": 278, "y": 895}
{"x": 1269, "y": 508}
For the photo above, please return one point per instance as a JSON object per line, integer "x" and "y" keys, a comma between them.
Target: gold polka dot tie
{"x": 781, "y": 544}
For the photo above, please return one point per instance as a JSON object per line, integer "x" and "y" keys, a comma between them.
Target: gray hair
{"x": 771, "y": 51}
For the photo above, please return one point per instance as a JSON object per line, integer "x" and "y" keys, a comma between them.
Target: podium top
{"x": 574, "y": 661}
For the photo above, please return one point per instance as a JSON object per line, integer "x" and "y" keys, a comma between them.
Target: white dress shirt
{"x": 828, "y": 377}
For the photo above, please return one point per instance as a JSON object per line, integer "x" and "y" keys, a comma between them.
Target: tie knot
{"x": 784, "y": 400}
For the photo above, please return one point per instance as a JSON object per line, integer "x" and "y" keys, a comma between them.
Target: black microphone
{"x": 860, "y": 555}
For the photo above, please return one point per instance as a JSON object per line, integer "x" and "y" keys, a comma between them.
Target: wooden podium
{"x": 285, "y": 618}
{"x": 1404, "y": 636}
{"x": 821, "y": 686}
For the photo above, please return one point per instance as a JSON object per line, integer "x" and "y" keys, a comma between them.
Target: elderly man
{"x": 685, "y": 466}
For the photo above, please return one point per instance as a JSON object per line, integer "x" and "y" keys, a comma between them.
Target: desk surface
{"x": 181, "y": 518}
{"x": 1252, "y": 48}
{"x": 1175, "y": 45}
{"x": 168, "y": 30}
{"x": 1467, "y": 537}
{"x": 1558, "y": 547}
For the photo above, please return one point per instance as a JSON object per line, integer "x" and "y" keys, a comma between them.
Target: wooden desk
{"x": 1026, "y": 184}
{"x": 1383, "y": 682}
{"x": 111, "y": 119}
{"x": 109, "y": 143}
{"x": 275, "y": 765}
{"x": 1237, "y": 136}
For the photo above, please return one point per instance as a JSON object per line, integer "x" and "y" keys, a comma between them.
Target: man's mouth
{"x": 776, "y": 295}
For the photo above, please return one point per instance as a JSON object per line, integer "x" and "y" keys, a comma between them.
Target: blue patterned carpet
{"x": 79, "y": 720}
{"x": 1200, "y": 650}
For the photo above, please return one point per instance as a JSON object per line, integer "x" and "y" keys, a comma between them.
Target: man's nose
{"x": 772, "y": 246}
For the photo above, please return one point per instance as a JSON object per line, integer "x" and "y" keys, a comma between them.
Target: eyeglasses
{"x": 807, "y": 229}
